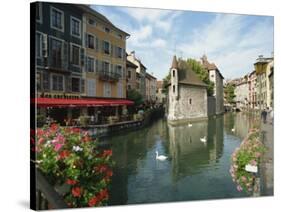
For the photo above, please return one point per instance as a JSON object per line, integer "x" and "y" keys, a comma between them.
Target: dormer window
{"x": 92, "y": 22}
{"x": 106, "y": 29}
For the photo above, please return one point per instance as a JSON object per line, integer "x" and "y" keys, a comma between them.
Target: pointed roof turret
{"x": 174, "y": 63}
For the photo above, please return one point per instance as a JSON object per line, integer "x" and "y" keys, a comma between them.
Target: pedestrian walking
{"x": 263, "y": 115}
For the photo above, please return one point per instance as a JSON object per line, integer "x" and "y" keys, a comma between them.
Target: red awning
{"x": 55, "y": 102}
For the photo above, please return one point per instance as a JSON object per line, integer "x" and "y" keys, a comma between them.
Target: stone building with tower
{"x": 216, "y": 77}
{"x": 187, "y": 94}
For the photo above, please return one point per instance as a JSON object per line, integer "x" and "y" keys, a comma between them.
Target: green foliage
{"x": 69, "y": 158}
{"x": 166, "y": 81}
{"x": 249, "y": 152}
{"x": 202, "y": 74}
{"x": 135, "y": 96}
{"x": 229, "y": 93}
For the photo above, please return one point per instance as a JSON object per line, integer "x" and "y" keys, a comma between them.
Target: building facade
{"x": 59, "y": 51}
{"x": 187, "y": 94}
{"x": 131, "y": 70}
{"x": 242, "y": 93}
{"x": 160, "y": 94}
{"x": 150, "y": 87}
{"x": 81, "y": 55}
{"x": 264, "y": 97}
{"x": 252, "y": 84}
{"x": 216, "y": 77}
{"x": 141, "y": 70}
{"x": 105, "y": 67}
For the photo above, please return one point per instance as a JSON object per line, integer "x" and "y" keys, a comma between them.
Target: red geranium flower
{"x": 64, "y": 154}
{"x": 93, "y": 201}
{"x": 39, "y": 132}
{"x": 86, "y": 138}
{"x": 107, "y": 153}
{"x": 71, "y": 182}
{"x": 54, "y": 127}
{"x": 76, "y": 191}
{"x": 109, "y": 173}
{"x": 103, "y": 194}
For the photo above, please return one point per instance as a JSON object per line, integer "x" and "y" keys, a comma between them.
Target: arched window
{"x": 190, "y": 101}
{"x": 174, "y": 88}
{"x": 174, "y": 73}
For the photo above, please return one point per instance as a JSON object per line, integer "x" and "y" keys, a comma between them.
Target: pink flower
{"x": 41, "y": 140}
{"x": 258, "y": 154}
{"x": 239, "y": 188}
{"x": 244, "y": 179}
{"x": 253, "y": 162}
{"x": 58, "y": 146}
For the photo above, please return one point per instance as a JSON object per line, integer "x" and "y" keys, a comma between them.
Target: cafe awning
{"x": 86, "y": 102}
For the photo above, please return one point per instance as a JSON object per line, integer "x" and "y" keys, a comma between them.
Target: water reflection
{"x": 189, "y": 154}
{"x": 194, "y": 170}
{"x": 240, "y": 122}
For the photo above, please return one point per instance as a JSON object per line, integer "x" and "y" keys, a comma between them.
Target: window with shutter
{"x": 97, "y": 44}
{"x": 75, "y": 85}
{"x": 57, "y": 19}
{"x": 91, "y": 87}
{"x": 106, "y": 47}
{"x": 38, "y": 44}
{"x": 120, "y": 89}
{"x": 119, "y": 52}
{"x": 82, "y": 90}
{"x": 56, "y": 53}
{"x": 75, "y": 54}
{"x": 46, "y": 81}
{"x": 106, "y": 89}
{"x": 90, "y": 41}
{"x": 75, "y": 27}
{"x": 90, "y": 64}
{"x": 57, "y": 82}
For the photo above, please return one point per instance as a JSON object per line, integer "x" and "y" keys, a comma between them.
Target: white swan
{"x": 203, "y": 139}
{"x": 160, "y": 157}
{"x": 189, "y": 125}
{"x": 233, "y": 130}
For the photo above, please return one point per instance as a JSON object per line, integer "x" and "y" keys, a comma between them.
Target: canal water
{"x": 193, "y": 171}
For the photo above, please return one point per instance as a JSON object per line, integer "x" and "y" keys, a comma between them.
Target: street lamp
{"x": 260, "y": 67}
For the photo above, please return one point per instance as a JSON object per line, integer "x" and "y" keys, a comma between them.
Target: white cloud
{"x": 142, "y": 15}
{"x": 230, "y": 43}
{"x": 158, "y": 43}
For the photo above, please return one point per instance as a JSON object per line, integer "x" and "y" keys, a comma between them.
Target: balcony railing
{"x": 109, "y": 75}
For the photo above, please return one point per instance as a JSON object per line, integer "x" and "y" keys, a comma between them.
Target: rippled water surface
{"x": 193, "y": 171}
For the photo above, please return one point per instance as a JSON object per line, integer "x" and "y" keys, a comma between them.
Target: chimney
{"x": 133, "y": 54}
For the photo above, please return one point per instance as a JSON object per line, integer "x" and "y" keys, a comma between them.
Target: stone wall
{"x": 219, "y": 94}
{"x": 190, "y": 104}
{"x": 211, "y": 105}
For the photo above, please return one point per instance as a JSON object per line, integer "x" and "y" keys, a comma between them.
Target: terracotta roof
{"x": 159, "y": 84}
{"x": 209, "y": 66}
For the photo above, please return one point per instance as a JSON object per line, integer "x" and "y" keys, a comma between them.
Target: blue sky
{"x": 232, "y": 42}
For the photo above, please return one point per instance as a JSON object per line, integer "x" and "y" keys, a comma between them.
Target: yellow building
{"x": 105, "y": 52}
{"x": 264, "y": 96}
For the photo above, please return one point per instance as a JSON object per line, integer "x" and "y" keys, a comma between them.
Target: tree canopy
{"x": 229, "y": 93}
{"x": 202, "y": 74}
{"x": 135, "y": 96}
